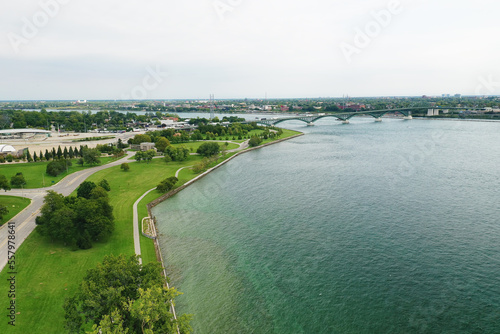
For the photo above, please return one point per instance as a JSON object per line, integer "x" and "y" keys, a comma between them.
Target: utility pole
{"x": 212, "y": 107}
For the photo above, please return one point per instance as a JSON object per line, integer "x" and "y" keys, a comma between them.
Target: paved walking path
{"x": 137, "y": 233}
{"x": 136, "y": 219}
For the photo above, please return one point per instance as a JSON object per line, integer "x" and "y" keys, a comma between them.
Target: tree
{"x": 4, "y": 183}
{"x": 35, "y": 157}
{"x": 104, "y": 184}
{"x": 254, "y": 141}
{"x": 3, "y": 211}
{"x": 91, "y": 156}
{"x": 125, "y": 167}
{"x": 84, "y": 189}
{"x": 161, "y": 144}
{"x": 139, "y": 155}
{"x": 56, "y": 167}
{"x": 208, "y": 149}
{"x": 59, "y": 153}
{"x": 71, "y": 153}
{"x": 149, "y": 155}
{"x": 65, "y": 153}
{"x": 110, "y": 324}
{"x": 53, "y": 202}
{"x": 152, "y": 310}
{"x": 17, "y": 181}
{"x": 28, "y": 156}
{"x": 77, "y": 220}
{"x": 121, "y": 289}
{"x": 47, "y": 155}
{"x": 177, "y": 154}
{"x": 141, "y": 139}
{"x": 167, "y": 184}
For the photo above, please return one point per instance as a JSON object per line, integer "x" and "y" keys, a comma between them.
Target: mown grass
{"x": 34, "y": 172}
{"x": 14, "y": 205}
{"x": 193, "y": 146}
{"x": 48, "y": 272}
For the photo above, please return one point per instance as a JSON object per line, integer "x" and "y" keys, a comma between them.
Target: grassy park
{"x": 14, "y": 205}
{"x": 35, "y": 175}
{"x": 48, "y": 272}
{"x": 193, "y": 146}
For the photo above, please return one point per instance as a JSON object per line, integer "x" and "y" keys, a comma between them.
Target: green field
{"x": 34, "y": 172}
{"x": 14, "y": 205}
{"x": 193, "y": 146}
{"x": 48, "y": 272}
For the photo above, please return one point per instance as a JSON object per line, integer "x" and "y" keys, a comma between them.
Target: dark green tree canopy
{"x": 85, "y": 189}
{"x": 133, "y": 295}
{"x": 76, "y": 220}
{"x": 4, "y": 183}
{"x": 167, "y": 184}
{"x": 17, "y": 181}
{"x": 208, "y": 149}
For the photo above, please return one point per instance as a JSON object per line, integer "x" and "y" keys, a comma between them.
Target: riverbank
{"x": 49, "y": 272}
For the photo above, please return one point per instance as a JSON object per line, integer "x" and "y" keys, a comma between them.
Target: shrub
{"x": 208, "y": 149}
{"x": 56, "y": 167}
{"x": 125, "y": 167}
{"x": 17, "y": 180}
{"x": 254, "y": 141}
{"x": 167, "y": 184}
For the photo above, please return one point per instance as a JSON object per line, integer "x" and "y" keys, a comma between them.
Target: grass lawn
{"x": 49, "y": 272}
{"x": 14, "y": 205}
{"x": 193, "y": 146}
{"x": 34, "y": 172}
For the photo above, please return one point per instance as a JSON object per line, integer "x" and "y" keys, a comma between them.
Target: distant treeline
{"x": 72, "y": 120}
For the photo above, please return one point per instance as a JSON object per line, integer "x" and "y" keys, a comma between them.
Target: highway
{"x": 25, "y": 220}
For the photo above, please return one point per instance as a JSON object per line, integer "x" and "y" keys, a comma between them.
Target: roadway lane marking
{"x": 21, "y": 226}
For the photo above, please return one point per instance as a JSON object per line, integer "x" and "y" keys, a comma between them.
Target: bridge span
{"x": 344, "y": 117}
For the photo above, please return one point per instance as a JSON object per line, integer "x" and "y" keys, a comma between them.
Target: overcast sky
{"x": 169, "y": 49}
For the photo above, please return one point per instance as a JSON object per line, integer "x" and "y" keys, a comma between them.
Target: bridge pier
{"x": 310, "y": 124}
{"x": 345, "y": 121}
{"x": 408, "y": 117}
{"x": 378, "y": 119}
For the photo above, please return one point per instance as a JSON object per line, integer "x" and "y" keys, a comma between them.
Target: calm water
{"x": 388, "y": 227}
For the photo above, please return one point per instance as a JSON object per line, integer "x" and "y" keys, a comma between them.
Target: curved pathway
{"x": 137, "y": 233}
{"x": 25, "y": 220}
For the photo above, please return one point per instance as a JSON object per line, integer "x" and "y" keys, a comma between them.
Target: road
{"x": 25, "y": 220}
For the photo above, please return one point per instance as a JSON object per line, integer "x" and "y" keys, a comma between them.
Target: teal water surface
{"x": 388, "y": 227}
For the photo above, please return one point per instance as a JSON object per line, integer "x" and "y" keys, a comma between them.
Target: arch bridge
{"x": 346, "y": 116}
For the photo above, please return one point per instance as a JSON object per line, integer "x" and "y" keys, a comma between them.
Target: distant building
{"x": 147, "y": 146}
{"x": 7, "y": 149}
